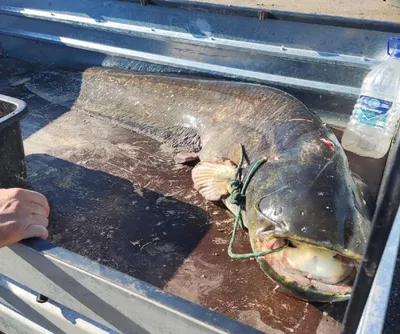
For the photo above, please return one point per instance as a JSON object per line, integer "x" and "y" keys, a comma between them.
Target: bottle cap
{"x": 393, "y": 47}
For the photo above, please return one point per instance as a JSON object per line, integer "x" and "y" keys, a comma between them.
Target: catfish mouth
{"x": 305, "y": 267}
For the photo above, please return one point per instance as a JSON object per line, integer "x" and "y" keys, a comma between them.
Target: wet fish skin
{"x": 162, "y": 106}
{"x": 305, "y": 191}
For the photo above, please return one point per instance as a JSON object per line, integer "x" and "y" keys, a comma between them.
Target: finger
{"x": 38, "y": 209}
{"x": 33, "y": 231}
{"x": 39, "y": 220}
{"x": 38, "y": 198}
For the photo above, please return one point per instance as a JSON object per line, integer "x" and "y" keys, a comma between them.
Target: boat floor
{"x": 118, "y": 198}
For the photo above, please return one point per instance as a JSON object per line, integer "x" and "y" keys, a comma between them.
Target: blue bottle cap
{"x": 393, "y": 47}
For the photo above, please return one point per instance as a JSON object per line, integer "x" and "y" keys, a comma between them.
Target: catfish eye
{"x": 270, "y": 208}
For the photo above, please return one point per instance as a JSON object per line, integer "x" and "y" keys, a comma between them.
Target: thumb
{"x": 35, "y": 231}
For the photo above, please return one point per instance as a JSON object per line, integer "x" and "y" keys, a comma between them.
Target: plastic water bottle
{"x": 375, "y": 116}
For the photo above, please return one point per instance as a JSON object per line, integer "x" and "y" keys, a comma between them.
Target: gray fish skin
{"x": 305, "y": 191}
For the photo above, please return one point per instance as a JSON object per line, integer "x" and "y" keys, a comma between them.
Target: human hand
{"x": 23, "y": 214}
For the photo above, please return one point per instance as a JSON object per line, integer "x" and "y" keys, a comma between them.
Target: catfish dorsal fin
{"x": 212, "y": 178}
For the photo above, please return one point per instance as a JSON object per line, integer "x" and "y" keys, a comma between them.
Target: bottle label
{"x": 371, "y": 111}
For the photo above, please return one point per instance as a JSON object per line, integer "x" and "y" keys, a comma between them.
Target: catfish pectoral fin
{"x": 212, "y": 178}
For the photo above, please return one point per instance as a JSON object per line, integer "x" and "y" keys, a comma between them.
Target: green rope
{"x": 240, "y": 166}
{"x": 238, "y": 190}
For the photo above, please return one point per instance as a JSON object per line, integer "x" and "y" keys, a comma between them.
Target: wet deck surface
{"x": 118, "y": 198}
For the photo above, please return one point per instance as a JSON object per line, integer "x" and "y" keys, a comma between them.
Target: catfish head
{"x": 313, "y": 205}
{"x": 307, "y": 199}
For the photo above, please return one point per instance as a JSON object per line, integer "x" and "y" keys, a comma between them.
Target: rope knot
{"x": 237, "y": 198}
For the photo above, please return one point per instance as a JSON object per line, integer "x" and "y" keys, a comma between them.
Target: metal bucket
{"x": 12, "y": 155}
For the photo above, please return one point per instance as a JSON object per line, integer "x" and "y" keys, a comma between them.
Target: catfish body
{"x": 304, "y": 193}
{"x": 180, "y": 111}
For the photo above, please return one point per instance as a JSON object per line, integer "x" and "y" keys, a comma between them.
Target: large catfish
{"x": 303, "y": 196}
